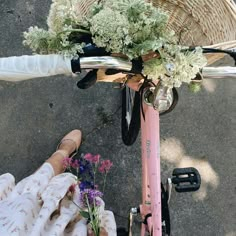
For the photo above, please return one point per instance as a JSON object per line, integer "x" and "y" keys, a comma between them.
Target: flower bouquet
{"x": 133, "y": 28}
{"x": 90, "y": 197}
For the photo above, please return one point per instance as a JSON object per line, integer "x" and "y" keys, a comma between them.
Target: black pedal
{"x": 186, "y": 179}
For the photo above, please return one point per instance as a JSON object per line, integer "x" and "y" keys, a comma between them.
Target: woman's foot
{"x": 68, "y": 145}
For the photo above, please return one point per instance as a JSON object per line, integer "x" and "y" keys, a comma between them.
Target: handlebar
{"x": 106, "y": 62}
{"x": 219, "y": 72}
{"x": 120, "y": 64}
{"x": 29, "y": 67}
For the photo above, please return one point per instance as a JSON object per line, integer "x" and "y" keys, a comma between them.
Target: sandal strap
{"x": 61, "y": 152}
{"x": 76, "y": 147}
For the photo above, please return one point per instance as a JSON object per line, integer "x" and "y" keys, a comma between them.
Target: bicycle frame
{"x": 150, "y": 208}
{"x": 151, "y": 177}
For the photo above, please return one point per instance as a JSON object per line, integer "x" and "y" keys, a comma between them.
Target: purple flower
{"x": 98, "y": 202}
{"x": 81, "y": 169}
{"x": 84, "y": 166}
{"x": 85, "y": 185}
{"x": 91, "y": 196}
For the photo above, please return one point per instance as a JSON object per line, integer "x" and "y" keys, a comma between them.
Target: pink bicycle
{"x": 142, "y": 109}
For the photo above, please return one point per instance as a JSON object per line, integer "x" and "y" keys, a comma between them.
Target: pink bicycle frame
{"x": 151, "y": 178}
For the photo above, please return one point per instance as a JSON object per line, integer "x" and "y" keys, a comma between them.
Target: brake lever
{"x": 88, "y": 80}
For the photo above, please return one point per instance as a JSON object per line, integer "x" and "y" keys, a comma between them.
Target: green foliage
{"x": 195, "y": 87}
{"x": 85, "y": 214}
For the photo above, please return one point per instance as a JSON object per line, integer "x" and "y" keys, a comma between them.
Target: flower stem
{"x": 77, "y": 205}
{"x": 77, "y": 172}
{"x": 93, "y": 217}
{"x": 89, "y": 210}
{"x": 104, "y": 183}
{"x": 94, "y": 174}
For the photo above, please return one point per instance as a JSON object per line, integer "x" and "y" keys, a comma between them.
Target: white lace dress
{"x": 38, "y": 206}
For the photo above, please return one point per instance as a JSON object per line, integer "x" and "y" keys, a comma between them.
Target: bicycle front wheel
{"x": 130, "y": 121}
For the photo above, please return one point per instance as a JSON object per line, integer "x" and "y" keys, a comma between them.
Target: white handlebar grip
{"x": 29, "y": 67}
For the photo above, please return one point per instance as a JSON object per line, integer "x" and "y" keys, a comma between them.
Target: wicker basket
{"x": 202, "y": 22}
{"x": 196, "y": 22}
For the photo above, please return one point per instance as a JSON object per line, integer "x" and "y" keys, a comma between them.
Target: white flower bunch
{"x": 62, "y": 14}
{"x": 176, "y": 65}
{"x": 37, "y": 38}
{"x": 61, "y": 20}
{"x": 131, "y": 27}
{"x": 110, "y": 30}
